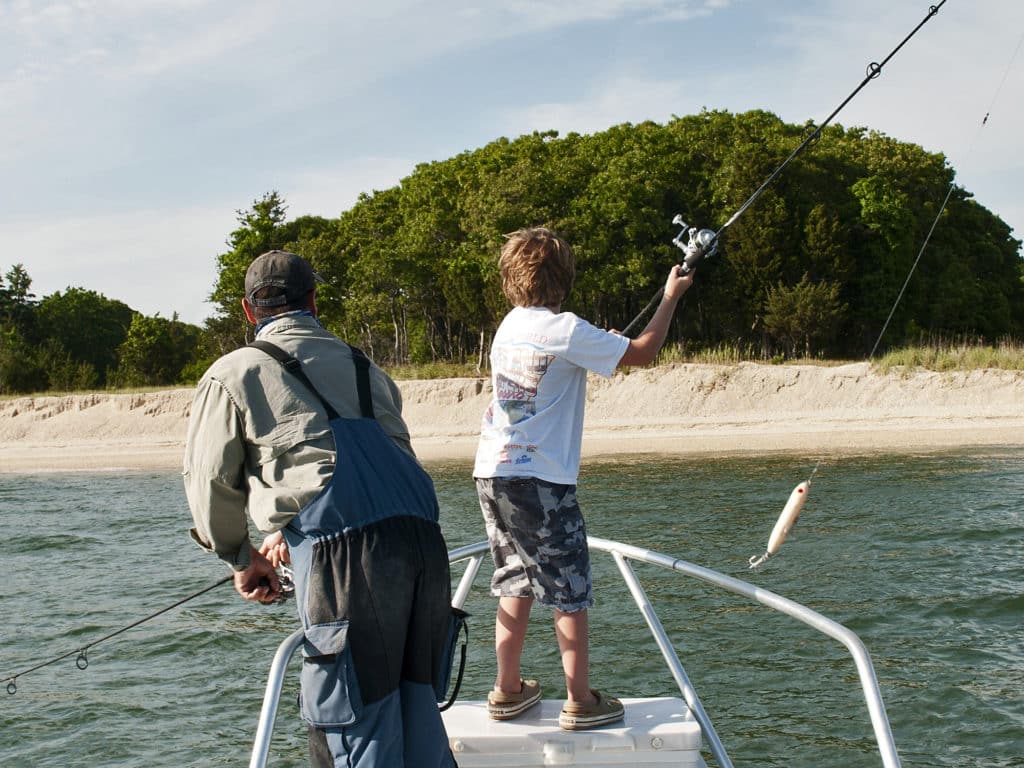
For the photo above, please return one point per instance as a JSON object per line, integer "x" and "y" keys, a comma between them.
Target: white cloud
{"x": 164, "y": 261}
{"x": 329, "y": 191}
{"x": 618, "y": 100}
{"x": 546, "y": 14}
{"x": 154, "y": 261}
{"x": 934, "y": 92}
{"x": 962, "y": 64}
{"x": 125, "y": 125}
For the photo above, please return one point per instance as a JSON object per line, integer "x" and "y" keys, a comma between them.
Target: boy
{"x": 527, "y": 464}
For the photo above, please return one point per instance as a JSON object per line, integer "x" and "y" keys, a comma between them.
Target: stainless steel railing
{"x": 622, "y": 554}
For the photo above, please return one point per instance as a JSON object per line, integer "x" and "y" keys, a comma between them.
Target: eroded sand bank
{"x": 670, "y": 409}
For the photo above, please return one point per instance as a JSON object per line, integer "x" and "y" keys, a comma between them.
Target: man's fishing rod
{"x": 703, "y": 243}
{"x": 82, "y": 661}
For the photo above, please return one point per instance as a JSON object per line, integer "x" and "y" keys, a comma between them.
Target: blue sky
{"x": 131, "y": 131}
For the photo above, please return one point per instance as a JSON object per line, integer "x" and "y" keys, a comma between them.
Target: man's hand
{"x": 259, "y": 581}
{"x": 275, "y": 549}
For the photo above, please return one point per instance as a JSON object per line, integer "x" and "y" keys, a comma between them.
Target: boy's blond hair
{"x": 537, "y": 268}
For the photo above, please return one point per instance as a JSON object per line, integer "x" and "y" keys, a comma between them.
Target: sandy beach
{"x": 675, "y": 409}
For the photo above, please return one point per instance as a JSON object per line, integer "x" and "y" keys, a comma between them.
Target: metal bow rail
{"x": 622, "y": 554}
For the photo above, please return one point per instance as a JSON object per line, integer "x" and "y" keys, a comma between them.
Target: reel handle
{"x": 700, "y": 244}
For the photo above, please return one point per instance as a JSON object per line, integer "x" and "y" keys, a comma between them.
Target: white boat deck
{"x": 656, "y": 731}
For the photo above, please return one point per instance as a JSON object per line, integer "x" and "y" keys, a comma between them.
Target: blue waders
{"x": 373, "y": 593}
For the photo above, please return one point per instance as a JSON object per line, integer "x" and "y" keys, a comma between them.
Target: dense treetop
{"x": 814, "y": 267}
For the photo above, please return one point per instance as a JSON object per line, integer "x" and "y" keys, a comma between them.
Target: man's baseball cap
{"x": 280, "y": 269}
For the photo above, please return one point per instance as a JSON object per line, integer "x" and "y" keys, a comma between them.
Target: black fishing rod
{"x": 703, "y": 243}
{"x": 82, "y": 660}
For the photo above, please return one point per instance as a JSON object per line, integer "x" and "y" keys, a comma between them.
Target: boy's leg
{"x": 572, "y": 630}
{"x": 509, "y": 637}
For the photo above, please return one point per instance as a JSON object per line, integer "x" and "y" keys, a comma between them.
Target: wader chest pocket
{"x": 329, "y": 696}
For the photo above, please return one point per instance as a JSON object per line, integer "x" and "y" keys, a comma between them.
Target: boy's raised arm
{"x": 645, "y": 347}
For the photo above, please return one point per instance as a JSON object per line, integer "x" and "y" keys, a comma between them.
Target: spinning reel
{"x": 701, "y": 243}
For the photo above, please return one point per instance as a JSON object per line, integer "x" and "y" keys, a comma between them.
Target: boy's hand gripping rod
{"x": 699, "y": 245}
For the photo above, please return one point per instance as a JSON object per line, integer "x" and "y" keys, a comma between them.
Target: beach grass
{"x": 438, "y": 370}
{"x": 937, "y": 355}
{"x": 956, "y": 355}
{"x": 95, "y": 391}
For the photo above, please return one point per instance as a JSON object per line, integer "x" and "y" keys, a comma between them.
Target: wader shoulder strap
{"x": 363, "y": 382}
{"x": 294, "y": 367}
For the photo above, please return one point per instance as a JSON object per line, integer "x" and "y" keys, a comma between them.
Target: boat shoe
{"x": 580, "y": 717}
{"x": 506, "y": 706}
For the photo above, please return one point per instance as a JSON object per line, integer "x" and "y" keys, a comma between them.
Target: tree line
{"x": 79, "y": 339}
{"x": 813, "y": 268}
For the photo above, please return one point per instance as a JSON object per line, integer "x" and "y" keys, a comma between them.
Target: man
{"x": 313, "y": 447}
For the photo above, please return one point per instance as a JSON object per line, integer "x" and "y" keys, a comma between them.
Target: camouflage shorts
{"x": 538, "y": 541}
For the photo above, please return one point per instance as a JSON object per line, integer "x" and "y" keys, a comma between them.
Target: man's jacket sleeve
{"x": 214, "y": 474}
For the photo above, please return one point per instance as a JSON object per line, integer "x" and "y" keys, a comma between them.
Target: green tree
{"x": 17, "y": 302}
{"x": 257, "y": 233}
{"x": 20, "y": 370}
{"x": 413, "y": 273}
{"x": 156, "y": 351}
{"x": 89, "y": 327}
{"x": 826, "y": 249}
{"x": 61, "y": 370}
{"x": 803, "y": 315}
{"x": 375, "y": 295}
{"x": 263, "y": 227}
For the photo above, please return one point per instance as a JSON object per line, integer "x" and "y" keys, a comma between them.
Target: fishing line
{"x": 798, "y": 497}
{"x": 704, "y": 242}
{"x": 82, "y": 661}
{"x": 949, "y": 193}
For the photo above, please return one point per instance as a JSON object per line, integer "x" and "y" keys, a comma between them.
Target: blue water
{"x": 922, "y": 556}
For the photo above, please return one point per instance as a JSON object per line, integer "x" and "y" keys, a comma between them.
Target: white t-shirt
{"x": 539, "y": 362}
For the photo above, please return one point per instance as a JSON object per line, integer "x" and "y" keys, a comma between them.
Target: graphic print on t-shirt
{"x": 519, "y": 371}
